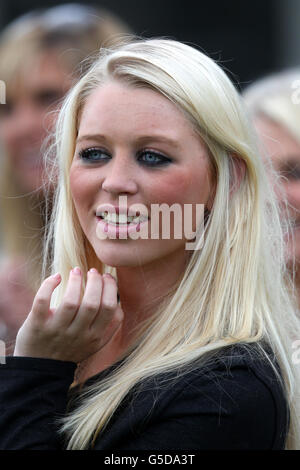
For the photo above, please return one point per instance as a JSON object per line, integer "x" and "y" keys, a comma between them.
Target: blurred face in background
{"x": 32, "y": 100}
{"x": 284, "y": 151}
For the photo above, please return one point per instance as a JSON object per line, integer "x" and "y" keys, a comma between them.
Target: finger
{"x": 91, "y": 300}
{"x": 112, "y": 327}
{"x": 109, "y": 303}
{"x": 41, "y": 302}
{"x": 70, "y": 304}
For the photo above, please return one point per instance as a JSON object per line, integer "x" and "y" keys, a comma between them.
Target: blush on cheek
{"x": 85, "y": 184}
{"x": 171, "y": 188}
{"x": 79, "y": 186}
{"x": 181, "y": 187}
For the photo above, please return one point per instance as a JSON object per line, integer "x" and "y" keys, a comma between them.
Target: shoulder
{"x": 236, "y": 393}
{"x": 242, "y": 375}
{"x": 236, "y": 365}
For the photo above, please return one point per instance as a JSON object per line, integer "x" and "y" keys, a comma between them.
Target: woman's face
{"x": 28, "y": 116}
{"x": 284, "y": 152}
{"x": 135, "y": 145}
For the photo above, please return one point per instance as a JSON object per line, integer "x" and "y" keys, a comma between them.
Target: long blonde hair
{"x": 234, "y": 288}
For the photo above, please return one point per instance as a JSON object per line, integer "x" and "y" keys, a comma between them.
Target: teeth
{"x": 121, "y": 219}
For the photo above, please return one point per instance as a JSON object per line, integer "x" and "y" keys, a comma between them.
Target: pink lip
{"x": 119, "y": 231}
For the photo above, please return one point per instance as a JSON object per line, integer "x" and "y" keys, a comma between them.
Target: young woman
{"x": 172, "y": 348}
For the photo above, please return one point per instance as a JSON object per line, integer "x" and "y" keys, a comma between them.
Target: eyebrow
{"x": 141, "y": 139}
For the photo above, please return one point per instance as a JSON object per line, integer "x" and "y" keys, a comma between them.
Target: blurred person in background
{"x": 275, "y": 107}
{"x": 42, "y": 54}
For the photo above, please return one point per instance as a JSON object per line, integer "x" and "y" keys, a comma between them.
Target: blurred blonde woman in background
{"x": 41, "y": 55}
{"x": 198, "y": 352}
{"x": 275, "y": 107}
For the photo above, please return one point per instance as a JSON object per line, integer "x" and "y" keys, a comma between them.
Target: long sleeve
{"x": 33, "y": 395}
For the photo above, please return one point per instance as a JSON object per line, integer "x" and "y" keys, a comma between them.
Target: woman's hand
{"x": 74, "y": 330}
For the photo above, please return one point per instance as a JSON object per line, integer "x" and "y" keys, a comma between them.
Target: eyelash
{"x": 161, "y": 160}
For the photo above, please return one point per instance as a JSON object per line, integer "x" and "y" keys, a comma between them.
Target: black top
{"x": 234, "y": 402}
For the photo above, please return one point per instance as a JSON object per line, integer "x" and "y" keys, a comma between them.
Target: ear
{"x": 238, "y": 171}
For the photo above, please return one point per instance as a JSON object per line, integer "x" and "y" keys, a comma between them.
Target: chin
{"x": 132, "y": 254}
{"x": 117, "y": 255}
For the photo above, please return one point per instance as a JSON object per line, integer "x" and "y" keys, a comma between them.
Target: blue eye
{"x": 145, "y": 157}
{"x": 151, "y": 158}
{"x": 93, "y": 155}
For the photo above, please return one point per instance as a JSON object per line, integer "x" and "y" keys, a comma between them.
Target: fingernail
{"x": 93, "y": 270}
{"x": 56, "y": 276}
{"x": 109, "y": 276}
{"x": 76, "y": 270}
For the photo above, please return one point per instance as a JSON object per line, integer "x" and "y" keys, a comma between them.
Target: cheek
{"x": 82, "y": 189}
{"x": 48, "y": 119}
{"x": 167, "y": 189}
{"x": 181, "y": 186}
{"x": 8, "y": 132}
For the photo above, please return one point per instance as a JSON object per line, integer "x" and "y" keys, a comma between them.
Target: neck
{"x": 143, "y": 288}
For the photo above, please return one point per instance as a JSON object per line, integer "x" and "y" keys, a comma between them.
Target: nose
{"x": 120, "y": 176}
